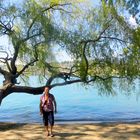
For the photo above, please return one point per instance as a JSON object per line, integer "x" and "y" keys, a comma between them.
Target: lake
{"x": 75, "y": 104}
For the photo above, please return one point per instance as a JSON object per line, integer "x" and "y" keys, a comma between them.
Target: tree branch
{"x": 32, "y": 62}
{"x": 25, "y": 67}
{"x": 33, "y": 21}
{"x": 86, "y": 61}
{"x": 3, "y": 72}
{"x": 99, "y": 36}
{"x": 73, "y": 81}
{"x": 66, "y": 83}
{"x": 87, "y": 81}
{"x": 7, "y": 30}
{"x": 85, "y": 42}
{"x": 110, "y": 77}
{"x": 27, "y": 38}
{"x": 8, "y": 66}
{"x": 13, "y": 60}
{"x": 6, "y": 59}
{"x": 62, "y": 75}
{"x": 114, "y": 38}
{"x": 55, "y": 5}
{"x": 4, "y": 53}
{"x": 27, "y": 89}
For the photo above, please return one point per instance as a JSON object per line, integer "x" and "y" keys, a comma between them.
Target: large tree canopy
{"x": 102, "y": 44}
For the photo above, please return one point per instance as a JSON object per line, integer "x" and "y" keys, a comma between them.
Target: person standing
{"x": 47, "y": 108}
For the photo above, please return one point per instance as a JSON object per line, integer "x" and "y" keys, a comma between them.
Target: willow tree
{"x": 99, "y": 40}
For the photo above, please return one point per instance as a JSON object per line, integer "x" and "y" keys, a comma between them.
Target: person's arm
{"x": 55, "y": 105}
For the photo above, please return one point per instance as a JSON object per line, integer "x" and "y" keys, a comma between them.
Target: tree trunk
{"x": 3, "y": 93}
{"x": 9, "y": 79}
{"x": 19, "y": 89}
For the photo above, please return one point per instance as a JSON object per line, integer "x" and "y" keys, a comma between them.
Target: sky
{"x": 4, "y": 42}
{"x": 132, "y": 22}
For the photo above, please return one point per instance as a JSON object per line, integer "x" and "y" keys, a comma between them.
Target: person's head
{"x": 46, "y": 90}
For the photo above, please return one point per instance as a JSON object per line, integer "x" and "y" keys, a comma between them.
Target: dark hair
{"x": 47, "y": 87}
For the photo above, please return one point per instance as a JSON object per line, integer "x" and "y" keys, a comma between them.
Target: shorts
{"x": 48, "y": 117}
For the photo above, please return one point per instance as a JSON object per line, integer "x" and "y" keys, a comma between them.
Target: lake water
{"x": 75, "y": 103}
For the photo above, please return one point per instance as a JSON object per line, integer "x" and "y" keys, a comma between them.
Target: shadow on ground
{"x": 112, "y": 131}
{"x": 9, "y": 126}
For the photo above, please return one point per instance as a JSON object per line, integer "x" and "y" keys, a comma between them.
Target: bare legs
{"x": 51, "y": 127}
{"x": 47, "y": 130}
{"x": 49, "y": 133}
{"x": 48, "y": 119}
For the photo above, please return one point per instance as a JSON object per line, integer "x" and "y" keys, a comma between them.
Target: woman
{"x": 47, "y": 108}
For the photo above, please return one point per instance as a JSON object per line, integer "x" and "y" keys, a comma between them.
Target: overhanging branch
{"x": 62, "y": 75}
{"x": 66, "y": 83}
{"x": 25, "y": 67}
{"x": 27, "y": 89}
{"x": 114, "y": 38}
{"x": 73, "y": 81}
{"x": 87, "y": 81}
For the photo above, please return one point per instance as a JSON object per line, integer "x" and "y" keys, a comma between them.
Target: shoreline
{"x": 77, "y": 122}
{"x": 73, "y": 131}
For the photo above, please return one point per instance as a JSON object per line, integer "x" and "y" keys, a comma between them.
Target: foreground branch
{"x": 73, "y": 81}
{"x": 27, "y": 89}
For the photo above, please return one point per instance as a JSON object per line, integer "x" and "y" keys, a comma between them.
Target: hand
{"x": 41, "y": 113}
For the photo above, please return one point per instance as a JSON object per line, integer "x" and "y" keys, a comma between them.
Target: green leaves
{"x": 99, "y": 38}
{"x": 55, "y": 2}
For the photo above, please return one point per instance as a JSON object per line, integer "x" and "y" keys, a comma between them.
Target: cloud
{"x": 132, "y": 22}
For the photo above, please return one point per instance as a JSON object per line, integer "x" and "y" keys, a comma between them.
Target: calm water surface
{"x": 75, "y": 103}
